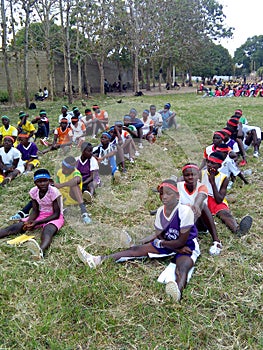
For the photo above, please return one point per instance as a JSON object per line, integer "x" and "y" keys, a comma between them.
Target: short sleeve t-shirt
{"x": 28, "y": 127}
{"x": 11, "y": 131}
{"x": 46, "y": 203}
{"x": 10, "y": 156}
{"x": 188, "y": 198}
{"x": 181, "y": 218}
{"x": 78, "y": 130}
{"x": 63, "y": 136}
{"x": 87, "y": 167}
{"x": 28, "y": 152}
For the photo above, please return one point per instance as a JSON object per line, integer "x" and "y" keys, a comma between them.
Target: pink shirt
{"x": 46, "y": 203}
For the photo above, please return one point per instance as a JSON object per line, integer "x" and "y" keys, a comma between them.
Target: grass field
{"x": 62, "y": 304}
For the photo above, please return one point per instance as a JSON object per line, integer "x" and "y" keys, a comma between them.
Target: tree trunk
{"x": 79, "y": 65}
{"x": 100, "y": 63}
{"x": 160, "y": 76}
{"x": 26, "y": 92}
{"x": 153, "y": 74}
{"x": 169, "y": 73}
{"x": 87, "y": 83}
{"x": 68, "y": 56}
{"x": 135, "y": 72}
{"x": 148, "y": 75}
{"x": 142, "y": 77}
{"x": 4, "y": 46}
{"x": 190, "y": 78}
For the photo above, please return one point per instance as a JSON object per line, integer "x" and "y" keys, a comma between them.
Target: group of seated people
{"x": 189, "y": 203}
{"x": 233, "y": 90}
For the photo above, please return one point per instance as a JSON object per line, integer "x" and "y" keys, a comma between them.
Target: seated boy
{"x": 69, "y": 182}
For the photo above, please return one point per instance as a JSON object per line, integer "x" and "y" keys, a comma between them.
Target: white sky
{"x": 246, "y": 17}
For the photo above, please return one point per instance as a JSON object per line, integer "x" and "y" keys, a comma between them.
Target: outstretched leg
{"x": 47, "y": 235}
{"x": 12, "y": 229}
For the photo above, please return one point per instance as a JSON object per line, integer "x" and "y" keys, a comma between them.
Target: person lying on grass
{"x": 175, "y": 233}
{"x": 46, "y": 214}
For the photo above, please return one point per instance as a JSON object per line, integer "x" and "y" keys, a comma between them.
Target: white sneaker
{"x": 116, "y": 177}
{"x": 85, "y": 218}
{"x": 230, "y": 185}
{"x": 131, "y": 160}
{"x": 256, "y": 154}
{"x": 44, "y": 142}
{"x": 35, "y": 249}
{"x": 137, "y": 154}
{"x": 87, "y": 196}
{"x": 140, "y": 145}
{"x": 172, "y": 289}
{"x": 215, "y": 249}
{"x": 88, "y": 259}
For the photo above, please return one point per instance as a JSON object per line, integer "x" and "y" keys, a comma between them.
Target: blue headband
{"x": 107, "y": 134}
{"x": 67, "y": 165}
{"x": 42, "y": 176}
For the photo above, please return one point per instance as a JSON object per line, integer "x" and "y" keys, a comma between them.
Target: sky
{"x": 246, "y": 17}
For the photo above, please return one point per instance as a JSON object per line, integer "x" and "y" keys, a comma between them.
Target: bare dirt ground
{"x": 155, "y": 91}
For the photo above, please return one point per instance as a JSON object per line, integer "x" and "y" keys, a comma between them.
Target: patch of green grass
{"x": 62, "y": 304}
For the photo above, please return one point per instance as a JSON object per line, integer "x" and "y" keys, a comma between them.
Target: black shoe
{"x": 244, "y": 226}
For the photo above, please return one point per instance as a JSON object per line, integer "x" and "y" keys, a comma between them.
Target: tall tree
{"x": 5, "y": 53}
{"x": 27, "y": 8}
{"x": 47, "y": 12}
{"x": 249, "y": 56}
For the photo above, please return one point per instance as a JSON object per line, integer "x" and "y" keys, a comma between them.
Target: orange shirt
{"x": 63, "y": 136}
{"x": 101, "y": 116}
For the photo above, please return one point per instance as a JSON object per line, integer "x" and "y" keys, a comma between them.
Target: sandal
{"x": 216, "y": 248}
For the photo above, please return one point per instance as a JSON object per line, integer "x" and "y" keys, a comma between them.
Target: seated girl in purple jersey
{"x": 89, "y": 168}
{"x": 175, "y": 233}
{"x": 28, "y": 152}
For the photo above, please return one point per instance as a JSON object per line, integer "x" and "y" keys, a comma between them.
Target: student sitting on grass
{"x": 175, "y": 233}
{"x": 46, "y": 213}
{"x": 11, "y": 164}
{"x": 229, "y": 167}
{"x": 29, "y": 152}
{"x": 43, "y": 125}
{"x": 89, "y": 168}
{"x": 192, "y": 192}
{"x": 217, "y": 182}
{"x": 105, "y": 154}
{"x": 25, "y": 126}
{"x": 69, "y": 182}
{"x": 7, "y": 130}
{"x": 63, "y": 136}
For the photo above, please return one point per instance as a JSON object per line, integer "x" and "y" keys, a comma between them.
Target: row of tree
{"x": 150, "y": 36}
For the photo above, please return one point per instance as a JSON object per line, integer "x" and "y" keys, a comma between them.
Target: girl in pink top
{"x": 46, "y": 213}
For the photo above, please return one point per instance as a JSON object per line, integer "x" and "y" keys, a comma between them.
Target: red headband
{"x": 220, "y": 134}
{"x": 25, "y": 136}
{"x": 166, "y": 184}
{"x": 215, "y": 160}
{"x": 190, "y": 166}
{"x": 228, "y": 132}
{"x": 226, "y": 149}
{"x": 10, "y": 138}
{"x": 232, "y": 123}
